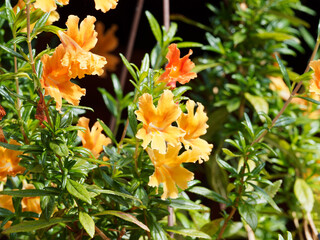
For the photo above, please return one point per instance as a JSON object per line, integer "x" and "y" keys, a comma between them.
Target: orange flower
{"x": 178, "y": 69}
{"x": 105, "y": 5}
{"x": 107, "y": 42}
{"x": 55, "y": 79}
{"x": 315, "y": 81}
{"x": 195, "y": 126}
{"x": 9, "y": 162}
{"x": 6, "y": 202}
{"x": 49, "y": 5}
{"x": 78, "y": 42}
{"x": 157, "y": 121}
{"x": 93, "y": 140}
{"x": 168, "y": 170}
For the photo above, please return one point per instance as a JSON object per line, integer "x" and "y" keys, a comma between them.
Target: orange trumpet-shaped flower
{"x": 315, "y": 81}
{"x": 168, "y": 169}
{"x": 55, "y": 79}
{"x": 105, "y": 5}
{"x": 93, "y": 140}
{"x": 157, "y": 121}
{"x": 78, "y": 42}
{"x": 194, "y": 124}
{"x": 9, "y": 162}
{"x": 49, "y": 5}
{"x": 178, "y": 69}
{"x": 107, "y": 42}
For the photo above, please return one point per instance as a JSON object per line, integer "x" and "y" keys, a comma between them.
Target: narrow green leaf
{"x": 29, "y": 226}
{"x": 310, "y": 100}
{"x": 107, "y": 130}
{"x": 125, "y": 216}
{"x": 258, "y": 103}
{"x": 277, "y": 36}
{"x": 249, "y": 124}
{"x": 41, "y": 22}
{"x": 129, "y": 67}
{"x": 120, "y": 194}
{"x": 215, "y": 44}
{"x": 189, "y": 45}
{"x": 145, "y": 64}
{"x": 185, "y": 204}
{"x": 155, "y": 27}
{"x": 304, "y": 194}
{"x": 116, "y": 86}
{"x": 209, "y": 194}
{"x": 59, "y": 148}
{"x": 284, "y": 72}
{"x": 9, "y": 13}
{"x": 229, "y": 153}
{"x": 249, "y": 214}
{"x": 29, "y": 193}
{"x": 226, "y": 166}
{"x": 188, "y": 232}
{"x": 109, "y": 101}
{"x": 284, "y": 121}
{"x": 189, "y": 21}
{"x": 78, "y": 190}
{"x": 265, "y": 195}
{"x": 87, "y": 223}
{"x": 47, "y": 204}
{"x": 200, "y": 67}
{"x": 132, "y": 118}
{"x": 11, "y": 52}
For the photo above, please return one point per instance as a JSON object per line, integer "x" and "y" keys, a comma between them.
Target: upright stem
{"x": 166, "y": 14}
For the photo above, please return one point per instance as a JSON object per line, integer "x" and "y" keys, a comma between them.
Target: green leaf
{"x": 29, "y": 193}
{"x": 155, "y": 27}
{"x": 226, "y": 166}
{"x": 189, "y": 45}
{"x": 107, "y": 130}
{"x": 78, "y": 190}
{"x": 132, "y": 118}
{"x": 188, "y": 232}
{"x": 116, "y": 86}
{"x": 59, "y": 148}
{"x": 265, "y": 195}
{"x": 189, "y": 21}
{"x": 238, "y": 37}
{"x": 284, "y": 121}
{"x": 284, "y": 72}
{"x": 129, "y": 67}
{"x": 215, "y": 44}
{"x": 209, "y": 194}
{"x": 310, "y": 100}
{"x": 156, "y": 231}
{"x": 200, "y": 67}
{"x": 109, "y": 101}
{"x": 125, "y": 216}
{"x": 229, "y": 153}
{"x": 304, "y": 194}
{"x": 120, "y": 194}
{"x": 185, "y": 204}
{"x": 87, "y": 223}
{"x": 259, "y": 103}
{"x": 41, "y": 22}
{"x": 277, "y": 36}
{"x": 292, "y": 19}
{"x": 9, "y": 13}
{"x": 47, "y": 204}
{"x": 249, "y": 215}
{"x": 29, "y": 226}
{"x": 11, "y": 52}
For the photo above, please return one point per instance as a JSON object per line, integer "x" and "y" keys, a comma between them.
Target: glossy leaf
{"x": 87, "y": 223}
{"x": 78, "y": 190}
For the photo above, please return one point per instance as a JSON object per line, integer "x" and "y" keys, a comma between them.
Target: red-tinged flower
{"x": 49, "y": 5}
{"x": 93, "y": 140}
{"x": 56, "y": 81}
{"x": 105, "y": 5}
{"x": 77, "y": 43}
{"x": 178, "y": 69}
{"x": 315, "y": 81}
{"x": 157, "y": 121}
{"x": 107, "y": 42}
{"x": 9, "y": 162}
{"x": 169, "y": 171}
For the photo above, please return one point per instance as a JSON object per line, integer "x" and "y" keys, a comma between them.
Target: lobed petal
{"x": 105, "y": 5}
{"x": 46, "y": 5}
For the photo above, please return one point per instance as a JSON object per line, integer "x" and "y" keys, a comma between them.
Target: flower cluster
{"x": 166, "y": 140}
{"x": 71, "y": 59}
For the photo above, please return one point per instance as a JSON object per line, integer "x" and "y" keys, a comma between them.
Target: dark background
{"x": 123, "y": 17}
